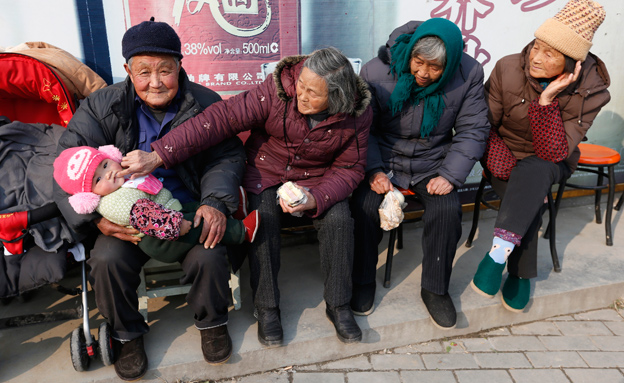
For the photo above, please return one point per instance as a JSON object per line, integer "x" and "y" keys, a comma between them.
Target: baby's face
{"x": 105, "y": 180}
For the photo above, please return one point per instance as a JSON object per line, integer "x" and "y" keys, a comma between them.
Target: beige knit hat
{"x": 572, "y": 29}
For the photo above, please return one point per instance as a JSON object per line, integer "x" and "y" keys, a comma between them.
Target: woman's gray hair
{"x": 430, "y": 48}
{"x": 336, "y": 69}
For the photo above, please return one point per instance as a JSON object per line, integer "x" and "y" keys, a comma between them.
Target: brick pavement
{"x": 581, "y": 348}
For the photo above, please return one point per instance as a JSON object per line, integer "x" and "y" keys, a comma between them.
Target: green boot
{"x": 487, "y": 279}
{"x": 516, "y": 293}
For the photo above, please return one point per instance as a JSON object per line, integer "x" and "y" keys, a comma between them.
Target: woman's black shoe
{"x": 441, "y": 309}
{"x": 347, "y": 328}
{"x": 270, "y": 331}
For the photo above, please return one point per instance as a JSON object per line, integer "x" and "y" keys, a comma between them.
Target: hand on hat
{"x": 558, "y": 85}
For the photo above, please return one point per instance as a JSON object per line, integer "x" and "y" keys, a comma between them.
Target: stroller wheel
{"x": 105, "y": 343}
{"x": 78, "y": 349}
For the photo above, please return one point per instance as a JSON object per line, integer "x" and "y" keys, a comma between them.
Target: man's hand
{"x": 309, "y": 205}
{"x": 214, "y": 225}
{"x": 111, "y": 229}
{"x": 439, "y": 186}
{"x": 380, "y": 183}
{"x": 559, "y": 84}
{"x": 139, "y": 163}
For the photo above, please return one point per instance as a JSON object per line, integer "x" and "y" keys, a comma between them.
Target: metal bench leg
{"x": 620, "y": 202}
{"x": 609, "y": 211}
{"x": 476, "y": 212}
{"x": 598, "y": 194}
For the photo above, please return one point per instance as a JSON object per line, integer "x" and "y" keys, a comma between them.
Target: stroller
{"x": 39, "y": 92}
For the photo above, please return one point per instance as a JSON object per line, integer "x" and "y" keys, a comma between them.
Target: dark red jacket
{"x": 328, "y": 159}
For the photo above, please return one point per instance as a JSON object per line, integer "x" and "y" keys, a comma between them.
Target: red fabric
{"x": 31, "y": 92}
{"x": 499, "y": 159}
{"x": 12, "y": 230}
{"x": 549, "y": 136}
{"x": 151, "y": 218}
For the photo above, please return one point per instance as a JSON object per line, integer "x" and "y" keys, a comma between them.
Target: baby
{"x": 90, "y": 176}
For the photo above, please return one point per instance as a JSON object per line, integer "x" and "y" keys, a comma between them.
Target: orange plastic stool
{"x": 594, "y": 159}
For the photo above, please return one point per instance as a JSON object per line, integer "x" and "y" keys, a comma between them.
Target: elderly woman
{"x": 309, "y": 124}
{"x": 429, "y": 130}
{"x": 542, "y": 102}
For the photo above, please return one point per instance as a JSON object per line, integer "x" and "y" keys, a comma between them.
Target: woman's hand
{"x": 309, "y": 205}
{"x": 214, "y": 225}
{"x": 439, "y": 186}
{"x": 111, "y": 229}
{"x": 558, "y": 85}
{"x": 139, "y": 163}
{"x": 380, "y": 183}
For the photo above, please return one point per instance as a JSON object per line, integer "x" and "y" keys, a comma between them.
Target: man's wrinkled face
{"x": 155, "y": 78}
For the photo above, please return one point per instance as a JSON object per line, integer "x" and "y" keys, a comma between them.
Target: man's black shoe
{"x": 131, "y": 360}
{"x": 441, "y": 309}
{"x": 363, "y": 299}
{"x": 270, "y": 331}
{"x": 347, "y": 328}
{"x": 216, "y": 344}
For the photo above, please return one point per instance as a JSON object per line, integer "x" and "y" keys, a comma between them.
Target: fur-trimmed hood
{"x": 287, "y": 72}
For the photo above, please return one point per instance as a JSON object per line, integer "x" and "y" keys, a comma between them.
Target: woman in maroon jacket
{"x": 309, "y": 124}
{"x": 542, "y": 102}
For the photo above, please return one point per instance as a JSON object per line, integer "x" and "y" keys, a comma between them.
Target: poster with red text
{"x": 224, "y": 42}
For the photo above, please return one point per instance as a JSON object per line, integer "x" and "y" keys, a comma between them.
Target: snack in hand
{"x": 291, "y": 194}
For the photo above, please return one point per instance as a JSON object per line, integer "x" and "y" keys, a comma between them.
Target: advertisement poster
{"x": 225, "y": 42}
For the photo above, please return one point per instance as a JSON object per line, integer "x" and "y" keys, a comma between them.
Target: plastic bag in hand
{"x": 391, "y": 211}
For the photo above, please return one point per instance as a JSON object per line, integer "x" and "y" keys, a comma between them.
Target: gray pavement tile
{"x": 477, "y": 344}
{"x": 397, "y": 362}
{"x": 517, "y": 343}
{"x": 480, "y": 376}
{"x": 536, "y": 328}
{"x": 600, "y": 315}
{"x": 556, "y": 359}
{"x": 449, "y": 361}
{"x": 533, "y": 376}
{"x": 309, "y": 367}
{"x": 561, "y": 318}
{"x": 502, "y": 360}
{"x": 592, "y": 375}
{"x": 603, "y": 358}
{"x": 616, "y": 327}
{"x": 420, "y": 348}
{"x": 609, "y": 343}
{"x": 427, "y": 376}
{"x": 374, "y": 377}
{"x": 568, "y": 343}
{"x": 272, "y": 377}
{"x": 315, "y": 377}
{"x": 502, "y": 331}
{"x": 453, "y": 347}
{"x": 358, "y": 363}
{"x": 584, "y": 328}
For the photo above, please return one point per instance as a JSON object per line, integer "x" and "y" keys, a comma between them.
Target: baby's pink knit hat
{"x": 74, "y": 169}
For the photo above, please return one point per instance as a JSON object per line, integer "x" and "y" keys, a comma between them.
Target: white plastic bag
{"x": 391, "y": 210}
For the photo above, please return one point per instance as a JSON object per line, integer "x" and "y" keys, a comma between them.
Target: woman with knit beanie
{"x": 542, "y": 102}
{"x": 429, "y": 130}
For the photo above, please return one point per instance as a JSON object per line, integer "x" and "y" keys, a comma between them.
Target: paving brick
{"x": 568, "y": 343}
{"x": 315, "y": 377}
{"x": 502, "y": 360}
{"x": 592, "y": 375}
{"x": 583, "y": 328}
{"x": 397, "y": 362}
{"x": 609, "y": 343}
{"x": 533, "y": 376}
{"x": 357, "y": 363}
{"x": 309, "y": 367}
{"x": 561, "y": 318}
{"x": 497, "y": 332}
{"x": 274, "y": 377}
{"x": 616, "y": 327}
{"x": 420, "y": 348}
{"x": 603, "y": 358}
{"x": 536, "y": 328}
{"x": 517, "y": 343}
{"x": 555, "y": 359}
{"x": 480, "y": 376}
{"x": 449, "y": 361}
{"x": 477, "y": 344}
{"x": 600, "y": 315}
{"x": 374, "y": 377}
{"x": 453, "y": 347}
{"x": 427, "y": 376}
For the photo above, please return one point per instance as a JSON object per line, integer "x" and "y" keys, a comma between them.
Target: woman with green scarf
{"x": 430, "y": 127}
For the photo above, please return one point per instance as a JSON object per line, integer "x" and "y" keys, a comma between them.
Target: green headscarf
{"x": 407, "y": 88}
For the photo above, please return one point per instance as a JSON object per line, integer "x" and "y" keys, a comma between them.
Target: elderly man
{"x": 429, "y": 129}
{"x": 155, "y": 98}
